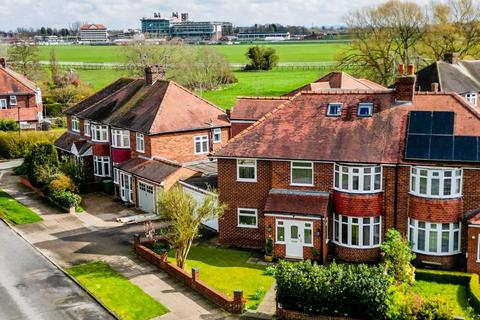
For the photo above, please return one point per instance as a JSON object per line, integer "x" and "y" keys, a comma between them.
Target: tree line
{"x": 405, "y": 32}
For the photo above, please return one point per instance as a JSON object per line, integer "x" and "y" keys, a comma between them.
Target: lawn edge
{"x": 62, "y": 270}
{"x": 23, "y": 204}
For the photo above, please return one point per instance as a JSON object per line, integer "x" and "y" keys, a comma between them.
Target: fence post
{"x": 237, "y": 301}
{"x": 195, "y": 274}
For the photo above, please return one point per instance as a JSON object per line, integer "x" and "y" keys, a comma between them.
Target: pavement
{"x": 33, "y": 288}
{"x": 95, "y": 235}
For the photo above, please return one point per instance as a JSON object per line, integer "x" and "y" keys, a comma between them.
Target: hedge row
{"x": 14, "y": 145}
{"x": 470, "y": 280}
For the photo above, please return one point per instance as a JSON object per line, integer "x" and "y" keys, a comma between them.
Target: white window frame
{"x": 335, "y": 104}
{"x": 338, "y": 230}
{"x": 120, "y": 139}
{"x": 102, "y": 130}
{"x": 307, "y": 226}
{"x": 248, "y": 165}
{"x": 253, "y": 213}
{"x": 471, "y": 97}
{"x": 201, "y": 140}
{"x": 434, "y": 173}
{"x": 75, "y": 124}
{"x": 278, "y": 224}
{"x": 368, "y": 105}
{"x": 116, "y": 174}
{"x": 478, "y": 248}
{"x": 217, "y": 135}
{"x": 140, "y": 141}
{"x": 292, "y": 167}
{"x": 87, "y": 130}
{"x": 102, "y": 160}
{"x": 3, "y": 104}
{"x": 125, "y": 177}
{"x": 361, "y": 175}
{"x": 413, "y": 228}
{"x": 13, "y": 100}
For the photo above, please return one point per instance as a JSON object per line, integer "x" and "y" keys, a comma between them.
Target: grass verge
{"x": 125, "y": 299}
{"x": 227, "y": 270}
{"x": 14, "y": 212}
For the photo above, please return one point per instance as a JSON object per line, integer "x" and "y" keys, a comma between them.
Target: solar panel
{"x": 418, "y": 147}
{"x": 442, "y": 122}
{"x": 420, "y": 122}
{"x": 441, "y": 147}
{"x": 466, "y": 148}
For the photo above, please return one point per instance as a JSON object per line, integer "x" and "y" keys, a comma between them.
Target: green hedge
{"x": 53, "y": 109}
{"x": 470, "y": 280}
{"x": 14, "y": 145}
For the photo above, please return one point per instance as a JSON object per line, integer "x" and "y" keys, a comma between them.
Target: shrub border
{"x": 470, "y": 280}
{"x": 28, "y": 184}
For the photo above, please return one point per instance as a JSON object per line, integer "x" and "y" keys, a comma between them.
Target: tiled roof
{"x": 97, "y": 26}
{"x": 253, "y": 108}
{"x": 68, "y": 139}
{"x": 13, "y": 82}
{"x": 153, "y": 170}
{"x": 299, "y": 129}
{"x": 162, "y": 107}
{"x": 461, "y": 77}
{"x": 297, "y": 202}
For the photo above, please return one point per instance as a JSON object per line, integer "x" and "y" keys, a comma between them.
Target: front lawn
{"x": 14, "y": 212}
{"x": 227, "y": 270}
{"x": 121, "y": 296}
{"x": 455, "y": 295}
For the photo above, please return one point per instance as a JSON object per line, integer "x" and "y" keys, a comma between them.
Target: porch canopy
{"x": 297, "y": 202}
{"x": 150, "y": 169}
{"x": 74, "y": 144}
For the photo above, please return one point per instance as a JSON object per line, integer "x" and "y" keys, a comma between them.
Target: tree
{"x": 397, "y": 257}
{"x": 23, "y": 58}
{"x": 54, "y": 69}
{"x": 261, "y": 58}
{"x": 186, "y": 215}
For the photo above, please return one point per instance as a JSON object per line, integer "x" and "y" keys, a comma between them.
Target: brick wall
{"x": 322, "y": 180}
{"x": 101, "y": 149}
{"x": 26, "y": 108}
{"x": 356, "y": 255}
{"x": 472, "y": 246}
{"x": 438, "y": 262}
{"x": 360, "y": 205}
{"x": 435, "y": 210}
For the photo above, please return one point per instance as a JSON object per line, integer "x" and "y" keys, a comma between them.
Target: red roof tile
{"x": 97, "y": 26}
{"x": 297, "y": 202}
{"x": 153, "y": 170}
{"x": 253, "y": 108}
{"x": 13, "y": 82}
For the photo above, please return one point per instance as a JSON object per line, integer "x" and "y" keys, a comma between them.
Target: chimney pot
{"x": 435, "y": 87}
{"x": 411, "y": 70}
{"x": 401, "y": 69}
{"x": 3, "y": 62}
{"x": 451, "y": 57}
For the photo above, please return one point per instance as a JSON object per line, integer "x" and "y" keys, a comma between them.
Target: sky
{"x": 123, "y": 14}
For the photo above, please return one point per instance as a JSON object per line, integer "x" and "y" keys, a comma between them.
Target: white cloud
{"x": 120, "y": 14}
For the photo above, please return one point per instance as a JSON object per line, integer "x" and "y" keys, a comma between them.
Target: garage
{"x": 146, "y": 197}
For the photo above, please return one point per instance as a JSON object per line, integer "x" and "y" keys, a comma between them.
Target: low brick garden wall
{"x": 284, "y": 314}
{"x": 235, "y": 305}
{"x": 38, "y": 191}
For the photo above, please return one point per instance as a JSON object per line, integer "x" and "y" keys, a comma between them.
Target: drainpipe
{"x": 395, "y": 199}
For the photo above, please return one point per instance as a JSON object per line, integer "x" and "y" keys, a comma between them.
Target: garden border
{"x": 235, "y": 305}
{"x": 286, "y": 314}
{"x": 29, "y": 185}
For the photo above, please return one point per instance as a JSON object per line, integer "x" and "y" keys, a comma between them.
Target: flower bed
{"x": 38, "y": 191}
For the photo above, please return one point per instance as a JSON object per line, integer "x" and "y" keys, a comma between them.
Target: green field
{"x": 293, "y": 52}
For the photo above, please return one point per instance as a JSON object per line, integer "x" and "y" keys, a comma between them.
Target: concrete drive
{"x": 33, "y": 288}
{"x": 94, "y": 235}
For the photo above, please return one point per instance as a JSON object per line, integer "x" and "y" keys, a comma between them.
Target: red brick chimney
{"x": 405, "y": 85}
{"x": 154, "y": 73}
{"x": 2, "y": 62}
{"x": 451, "y": 57}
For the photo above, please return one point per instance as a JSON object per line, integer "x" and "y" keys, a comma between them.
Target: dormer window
{"x": 334, "y": 110}
{"x": 365, "y": 109}
{"x": 471, "y": 97}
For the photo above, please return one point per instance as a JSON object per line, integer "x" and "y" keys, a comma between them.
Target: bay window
{"x": 357, "y": 232}
{"x": 436, "y": 183}
{"x": 247, "y": 170}
{"x": 301, "y": 173}
{"x": 101, "y": 166}
{"x": 99, "y": 133}
{"x": 247, "y": 218}
{"x": 75, "y": 124}
{"x": 434, "y": 238}
{"x": 358, "y": 179}
{"x": 120, "y": 138}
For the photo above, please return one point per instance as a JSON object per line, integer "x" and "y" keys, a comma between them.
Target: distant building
{"x": 156, "y": 26}
{"x": 93, "y": 33}
{"x": 267, "y": 36}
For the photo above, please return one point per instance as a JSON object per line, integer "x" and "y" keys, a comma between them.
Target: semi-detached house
{"x": 145, "y": 135}
{"x": 326, "y": 173}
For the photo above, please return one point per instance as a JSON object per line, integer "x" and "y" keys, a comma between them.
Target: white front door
{"x": 145, "y": 197}
{"x": 126, "y": 187}
{"x": 293, "y": 239}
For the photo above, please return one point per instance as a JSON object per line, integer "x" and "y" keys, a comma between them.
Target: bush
{"x": 61, "y": 183}
{"x": 74, "y": 170}
{"x": 8, "y": 125}
{"x": 53, "y": 109}
{"x": 42, "y": 154}
{"x": 402, "y": 305}
{"x": 261, "y": 58}
{"x": 441, "y": 276}
{"x": 474, "y": 292}
{"x": 347, "y": 290}
{"x": 45, "y": 174}
{"x": 66, "y": 199}
{"x": 397, "y": 257}
{"x": 14, "y": 145}
{"x": 435, "y": 309}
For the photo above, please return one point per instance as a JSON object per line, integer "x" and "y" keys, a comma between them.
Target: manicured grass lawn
{"x": 227, "y": 270}
{"x": 454, "y": 295}
{"x": 15, "y": 212}
{"x": 100, "y": 78}
{"x": 121, "y": 296}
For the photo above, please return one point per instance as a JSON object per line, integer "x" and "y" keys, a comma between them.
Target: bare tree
{"x": 23, "y": 57}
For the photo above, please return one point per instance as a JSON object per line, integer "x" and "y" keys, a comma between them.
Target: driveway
{"x": 33, "y": 288}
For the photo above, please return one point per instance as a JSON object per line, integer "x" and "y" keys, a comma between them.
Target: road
{"x": 32, "y": 288}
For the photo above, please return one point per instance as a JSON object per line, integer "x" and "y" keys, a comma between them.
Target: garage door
{"x": 145, "y": 197}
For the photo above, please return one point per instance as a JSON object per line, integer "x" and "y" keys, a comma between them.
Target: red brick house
{"x": 145, "y": 134}
{"x": 20, "y": 98}
{"x": 326, "y": 173}
{"x": 248, "y": 110}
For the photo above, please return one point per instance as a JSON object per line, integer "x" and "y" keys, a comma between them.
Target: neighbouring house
{"x": 452, "y": 75}
{"x": 93, "y": 33}
{"x": 248, "y": 110}
{"x": 20, "y": 98}
{"x": 326, "y": 173}
{"x": 145, "y": 135}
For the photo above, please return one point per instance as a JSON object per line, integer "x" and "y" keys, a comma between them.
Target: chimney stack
{"x": 401, "y": 69}
{"x": 3, "y": 62}
{"x": 435, "y": 87}
{"x": 154, "y": 73}
{"x": 451, "y": 57}
{"x": 405, "y": 85}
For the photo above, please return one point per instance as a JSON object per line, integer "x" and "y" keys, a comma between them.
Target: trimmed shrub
{"x": 346, "y": 290}
{"x": 53, "y": 109}
{"x": 14, "y": 145}
{"x": 474, "y": 292}
{"x": 42, "y": 154}
{"x": 8, "y": 125}
{"x": 435, "y": 309}
{"x": 441, "y": 276}
{"x": 61, "y": 183}
{"x": 45, "y": 174}
{"x": 66, "y": 199}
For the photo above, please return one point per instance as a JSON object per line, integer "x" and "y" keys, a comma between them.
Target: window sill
{"x": 100, "y": 141}
{"x": 435, "y": 197}
{"x": 301, "y": 185}
{"x": 140, "y": 151}
{"x": 217, "y": 141}
{"x": 200, "y": 153}
{"x": 358, "y": 192}
{"x": 120, "y": 147}
{"x": 247, "y": 227}
{"x": 246, "y": 180}
{"x": 356, "y": 247}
